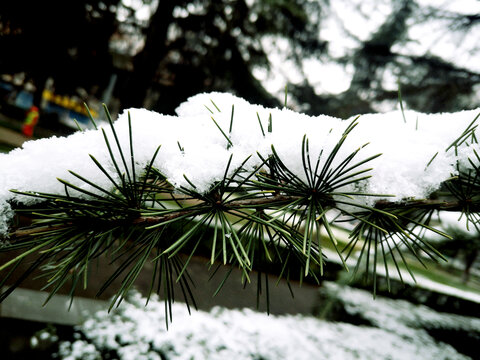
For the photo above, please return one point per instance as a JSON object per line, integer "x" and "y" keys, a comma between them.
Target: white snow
{"x": 397, "y": 316}
{"x": 138, "y": 332}
{"x": 401, "y": 170}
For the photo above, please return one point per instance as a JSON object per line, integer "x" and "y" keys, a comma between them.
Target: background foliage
{"x": 165, "y": 51}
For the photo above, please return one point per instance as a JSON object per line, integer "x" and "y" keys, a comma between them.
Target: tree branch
{"x": 255, "y": 202}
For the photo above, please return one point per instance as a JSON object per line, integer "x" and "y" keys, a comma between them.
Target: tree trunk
{"x": 146, "y": 62}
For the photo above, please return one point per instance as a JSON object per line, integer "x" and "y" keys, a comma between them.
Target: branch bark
{"x": 255, "y": 202}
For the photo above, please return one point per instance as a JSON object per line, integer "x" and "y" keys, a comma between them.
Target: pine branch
{"x": 276, "y": 200}
{"x": 251, "y": 218}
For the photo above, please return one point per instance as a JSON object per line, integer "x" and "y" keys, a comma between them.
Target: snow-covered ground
{"x": 397, "y": 331}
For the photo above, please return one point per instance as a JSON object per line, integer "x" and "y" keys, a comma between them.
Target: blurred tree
{"x": 65, "y": 40}
{"x": 430, "y": 82}
{"x": 197, "y": 46}
{"x": 192, "y": 46}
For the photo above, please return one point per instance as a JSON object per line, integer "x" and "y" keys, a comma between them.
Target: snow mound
{"x": 136, "y": 331}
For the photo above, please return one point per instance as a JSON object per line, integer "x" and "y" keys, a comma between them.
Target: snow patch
{"x": 138, "y": 332}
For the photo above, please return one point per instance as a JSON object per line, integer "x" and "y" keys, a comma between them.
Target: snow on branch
{"x": 257, "y": 187}
{"x": 212, "y": 129}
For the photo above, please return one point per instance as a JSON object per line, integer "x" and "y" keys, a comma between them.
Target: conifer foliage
{"x": 265, "y": 217}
